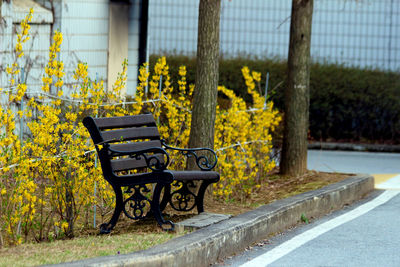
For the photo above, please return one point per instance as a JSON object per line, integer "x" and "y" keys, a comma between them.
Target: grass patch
{"x": 80, "y": 248}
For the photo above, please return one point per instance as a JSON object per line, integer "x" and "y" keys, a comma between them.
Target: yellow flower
{"x": 64, "y": 226}
{"x": 18, "y": 47}
{"x": 182, "y": 71}
{"x": 59, "y": 83}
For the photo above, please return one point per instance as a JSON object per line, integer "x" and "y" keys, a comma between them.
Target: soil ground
{"x": 274, "y": 188}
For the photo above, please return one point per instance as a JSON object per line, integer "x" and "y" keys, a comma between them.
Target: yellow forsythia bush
{"x": 50, "y": 182}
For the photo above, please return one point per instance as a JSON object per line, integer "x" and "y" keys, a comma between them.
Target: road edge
{"x": 354, "y": 147}
{"x": 206, "y": 246}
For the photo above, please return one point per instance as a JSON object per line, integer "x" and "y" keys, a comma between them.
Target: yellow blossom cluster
{"x": 54, "y": 68}
{"x": 14, "y": 191}
{"x": 23, "y": 36}
{"x": 242, "y": 134}
{"x": 47, "y": 182}
{"x": 243, "y": 139}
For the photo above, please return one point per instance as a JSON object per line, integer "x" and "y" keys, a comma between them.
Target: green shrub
{"x": 352, "y": 104}
{"x": 347, "y": 104}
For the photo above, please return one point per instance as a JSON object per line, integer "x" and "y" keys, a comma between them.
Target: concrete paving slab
{"x": 201, "y": 220}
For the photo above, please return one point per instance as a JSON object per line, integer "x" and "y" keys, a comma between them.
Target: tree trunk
{"x": 297, "y": 93}
{"x": 206, "y": 85}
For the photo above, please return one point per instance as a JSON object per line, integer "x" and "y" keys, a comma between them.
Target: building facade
{"x": 101, "y": 33}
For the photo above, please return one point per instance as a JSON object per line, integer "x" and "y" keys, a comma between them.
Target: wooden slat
{"x": 131, "y": 134}
{"x": 136, "y": 145}
{"x": 126, "y": 164}
{"x": 125, "y": 121}
{"x": 93, "y": 130}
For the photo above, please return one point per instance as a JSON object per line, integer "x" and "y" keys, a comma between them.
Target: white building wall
{"x": 85, "y": 28}
{"x": 84, "y": 25}
{"x": 35, "y": 49}
{"x": 133, "y": 45}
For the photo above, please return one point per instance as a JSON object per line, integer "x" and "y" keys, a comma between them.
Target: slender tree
{"x": 206, "y": 84}
{"x": 297, "y": 95}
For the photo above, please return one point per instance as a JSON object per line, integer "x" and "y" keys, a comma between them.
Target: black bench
{"x": 132, "y": 156}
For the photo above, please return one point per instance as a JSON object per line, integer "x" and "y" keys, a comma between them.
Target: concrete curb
{"x": 354, "y": 147}
{"x": 208, "y": 245}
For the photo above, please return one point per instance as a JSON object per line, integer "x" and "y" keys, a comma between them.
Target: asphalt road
{"x": 371, "y": 239}
{"x": 364, "y": 234}
{"x": 353, "y": 162}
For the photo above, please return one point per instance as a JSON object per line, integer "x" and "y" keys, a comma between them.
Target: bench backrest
{"x": 127, "y": 133}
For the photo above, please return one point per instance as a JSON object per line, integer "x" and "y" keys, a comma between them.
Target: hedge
{"x": 346, "y": 103}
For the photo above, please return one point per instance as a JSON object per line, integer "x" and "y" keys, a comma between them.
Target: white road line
{"x": 301, "y": 239}
{"x": 393, "y": 183}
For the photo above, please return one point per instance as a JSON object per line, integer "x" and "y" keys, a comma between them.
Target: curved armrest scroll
{"x": 152, "y": 161}
{"x": 202, "y": 161}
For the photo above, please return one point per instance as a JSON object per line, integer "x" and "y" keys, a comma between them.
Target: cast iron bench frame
{"x": 120, "y": 148}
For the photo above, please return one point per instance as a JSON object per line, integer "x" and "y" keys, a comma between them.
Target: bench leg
{"x": 183, "y": 199}
{"x": 155, "y": 208}
{"x": 106, "y": 228}
{"x": 166, "y": 197}
{"x": 200, "y": 195}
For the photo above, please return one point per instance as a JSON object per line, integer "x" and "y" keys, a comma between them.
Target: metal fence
{"x": 362, "y": 33}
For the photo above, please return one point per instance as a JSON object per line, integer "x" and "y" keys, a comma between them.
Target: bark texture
{"x": 297, "y": 93}
{"x": 206, "y": 84}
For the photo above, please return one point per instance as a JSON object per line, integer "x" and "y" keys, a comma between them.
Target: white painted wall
{"x": 133, "y": 46}
{"x": 35, "y": 49}
{"x": 85, "y": 28}
{"x": 84, "y": 25}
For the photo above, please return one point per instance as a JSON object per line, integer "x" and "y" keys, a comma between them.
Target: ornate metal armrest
{"x": 202, "y": 161}
{"x": 152, "y": 161}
